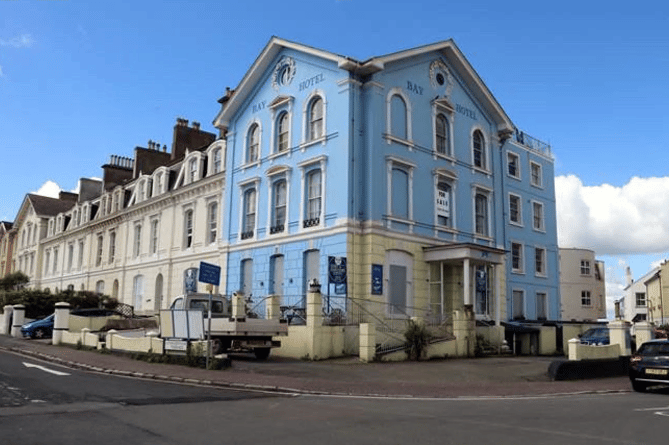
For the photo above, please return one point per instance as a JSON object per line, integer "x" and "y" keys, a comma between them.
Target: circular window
{"x": 440, "y": 78}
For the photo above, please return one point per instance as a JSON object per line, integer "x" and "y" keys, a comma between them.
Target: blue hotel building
{"x": 401, "y": 175}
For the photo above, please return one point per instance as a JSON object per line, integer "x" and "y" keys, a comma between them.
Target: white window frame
{"x": 484, "y": 191}
{"x": 80, "y": 258}
{"x": 390, "y": 135}
{"x": 519, "y": 220}
{"x": 160, "y": 181}
{"x": 137, "y": 240}
{"x": 155, "y": 233}
{"x": 533, "y": 181}
{"x": 70, "y": 256}
{"x": 586, "y": 270}
{"x": 212, "y": 222}
{"x": 513, "y": 158}
{"x": 244, "y": 186}
{"x": 188, "y": 227}
{"x": 543, "y": 271}
{"x": 523, "y": 305}
{"x": 307, "y": 138}
{"x": 521, "y": 259}
{"x": 443, "y": 107}
{"x": 540, "y": 219}
{"x": 112, "y": 246}
{"x": 410, "y": 167}
{"x": 99, "y": 250}
{"x": 320, "y": 163}
{"x": 275, "y": 174}
{"x": 484, "y": 150}
{"x": 248, "y": 159}
{"x": 586, "y": 298}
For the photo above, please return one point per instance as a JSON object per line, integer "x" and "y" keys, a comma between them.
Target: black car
{"x": 650, "y": 365}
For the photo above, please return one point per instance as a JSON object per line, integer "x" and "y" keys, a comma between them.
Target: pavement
{"x": 496, "y": 376}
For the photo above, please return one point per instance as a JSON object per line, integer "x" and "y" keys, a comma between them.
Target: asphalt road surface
{"x": 41, "y": 403}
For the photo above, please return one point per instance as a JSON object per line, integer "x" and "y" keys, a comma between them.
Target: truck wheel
{"x": 217, "y": 346}
{"x": 261, "y": 353}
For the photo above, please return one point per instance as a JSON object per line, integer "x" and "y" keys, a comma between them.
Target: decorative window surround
{"x": 442, "y": 106}
{"x": 307, "y": 139}
{"x": 390, "y": 135}
{"x": 319, "y": 162}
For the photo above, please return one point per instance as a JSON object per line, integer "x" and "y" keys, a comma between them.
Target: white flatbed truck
{"x": 232, "y": 329}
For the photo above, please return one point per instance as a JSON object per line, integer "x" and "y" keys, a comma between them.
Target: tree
{"x": 14, "y": 281}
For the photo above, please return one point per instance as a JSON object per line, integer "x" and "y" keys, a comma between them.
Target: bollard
{"x": 7, "y": 320}
{"x": 61, "y": 322}
{"x": 18, "y": 320}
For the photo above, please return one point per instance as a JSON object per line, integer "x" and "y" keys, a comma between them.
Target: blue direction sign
{"x": 209, "y": 273}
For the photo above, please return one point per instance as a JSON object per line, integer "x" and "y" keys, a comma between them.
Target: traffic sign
{"x": 209, "y": 273}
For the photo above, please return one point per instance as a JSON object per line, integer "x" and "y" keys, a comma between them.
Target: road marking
{"x": 44, "y": 368}
{"x": 659, "y": 411}
{"x": 653, "y": 409}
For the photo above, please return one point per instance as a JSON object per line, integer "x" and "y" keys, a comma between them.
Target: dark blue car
{"x": 42, "y": 328}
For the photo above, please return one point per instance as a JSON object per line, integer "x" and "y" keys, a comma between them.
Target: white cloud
{"x": 49, "y": 189}
{"x": 610, "y": 220}
{"x": 22, "y": 41}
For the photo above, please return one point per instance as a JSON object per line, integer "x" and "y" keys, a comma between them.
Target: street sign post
{"x": 210, "y": 274}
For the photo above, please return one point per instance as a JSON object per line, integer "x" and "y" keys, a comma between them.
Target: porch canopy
{"x": 468, "y": 253}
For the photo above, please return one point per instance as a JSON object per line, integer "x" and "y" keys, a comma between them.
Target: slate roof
{"x": 45, "y": 206}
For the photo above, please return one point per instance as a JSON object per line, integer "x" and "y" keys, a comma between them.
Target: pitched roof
{"x": 45, "y": 206}
{"x": 447, "y": 48}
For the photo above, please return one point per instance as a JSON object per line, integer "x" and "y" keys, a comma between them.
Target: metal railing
{"x": 533, "y": 143}
{"x": 391, "y": 320}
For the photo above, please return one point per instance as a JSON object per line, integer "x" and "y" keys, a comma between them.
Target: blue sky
{"x": 80, "y": 81}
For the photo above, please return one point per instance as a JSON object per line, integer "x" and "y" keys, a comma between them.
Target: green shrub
{"x": 417, "y": 337}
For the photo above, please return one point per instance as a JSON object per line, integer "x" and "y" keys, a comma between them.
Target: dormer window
{"x": 217, "y": 160}
{"x": 192, "y": 170}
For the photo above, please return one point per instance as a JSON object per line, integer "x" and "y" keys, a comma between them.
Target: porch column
{"x": 498, "y": 294}
{"x": 467, "y": 284}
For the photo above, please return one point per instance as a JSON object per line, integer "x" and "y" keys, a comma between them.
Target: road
{"x": 38, "y": 406}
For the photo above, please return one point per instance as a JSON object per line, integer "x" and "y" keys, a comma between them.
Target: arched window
{"x": 442, "y": 134}
{"x": 478, "y": 145}
{"x": 253, "y": 144}
{"x": 282, "y": 132}
{"x": 315, "y": 119}
{"x": 398, "y": 117}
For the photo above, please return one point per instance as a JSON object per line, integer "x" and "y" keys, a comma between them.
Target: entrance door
{"x": 311, "y": 268}
{"x": 247, "y": 277}
{"x": 276, "y": 275}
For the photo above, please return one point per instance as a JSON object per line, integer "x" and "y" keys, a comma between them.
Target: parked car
{"x": 41, "y": 328}
{"x": 595, "y": 336}
{"x": 650, "y": 365}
